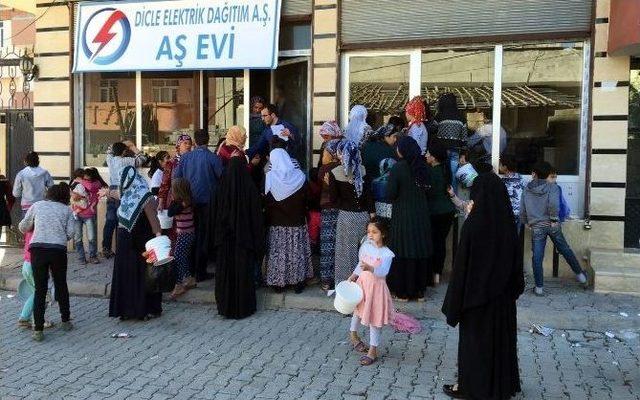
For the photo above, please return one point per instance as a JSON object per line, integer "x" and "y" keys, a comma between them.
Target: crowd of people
{"x": 377, "y": 209}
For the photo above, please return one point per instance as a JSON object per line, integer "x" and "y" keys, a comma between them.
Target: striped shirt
{"x": 182, "y": 217}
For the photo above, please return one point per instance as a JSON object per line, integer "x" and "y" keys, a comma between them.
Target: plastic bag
{"x": 160, "y": 278}
{"x": 405, "y": 323}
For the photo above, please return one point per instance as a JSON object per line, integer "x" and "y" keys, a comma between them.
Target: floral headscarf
{"x": 415, "y": 108}
{"x": 332, "y": 147}
{"x": 331, "y": 129}
{"x": 134, "y": 194}
{"x": 236, "y": 136}
{"x": 351, "y": 160}
{"x": 181, "y": 139}
{"x": 357, "y": 126}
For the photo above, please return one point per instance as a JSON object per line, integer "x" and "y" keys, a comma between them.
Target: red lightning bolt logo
{"x": 104, "y": 36}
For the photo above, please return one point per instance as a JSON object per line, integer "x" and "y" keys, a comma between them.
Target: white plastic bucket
{"x": 166, "y": 222}
{"x": 348, "y": 296}
{"x": 161, "y": 247}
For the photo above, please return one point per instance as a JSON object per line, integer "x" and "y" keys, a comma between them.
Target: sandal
{"x": 360, "y": 347}
{"x": 48, "y": 324}
{"x": 400, "y": 299}
{"x": 453, "y": 391}
{"x": 366, "y": 360}
{"x": 24, "y": 323}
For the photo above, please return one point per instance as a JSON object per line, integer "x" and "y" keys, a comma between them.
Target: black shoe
{"x": 299, "y": 288}
{"x": 456, "y": 394}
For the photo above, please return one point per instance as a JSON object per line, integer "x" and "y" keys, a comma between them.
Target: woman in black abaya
{"x": 137, "y": 223}
{"x": 487, "y": 279}
{"x": 238, "y": 240}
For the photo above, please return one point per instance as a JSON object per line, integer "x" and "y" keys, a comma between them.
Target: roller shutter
{"x": 371, "y": 21}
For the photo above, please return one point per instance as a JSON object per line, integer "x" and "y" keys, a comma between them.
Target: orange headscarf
{"x": 415, "y": 108}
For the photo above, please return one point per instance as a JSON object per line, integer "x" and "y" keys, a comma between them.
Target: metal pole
{"x": 497, "y": 107}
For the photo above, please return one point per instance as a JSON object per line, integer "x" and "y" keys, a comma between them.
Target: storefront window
{"x": 109, "y": 113}
{"x": 169, "y": 108}
{"x": 467, "y": 73}
{"x": 224, "y": 102}
{"x": 541, "y": 104}
{"x": 295, "y": 37}
{"x": 381, "y": 84}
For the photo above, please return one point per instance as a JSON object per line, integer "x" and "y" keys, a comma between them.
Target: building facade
{"x": 542, "y": 69}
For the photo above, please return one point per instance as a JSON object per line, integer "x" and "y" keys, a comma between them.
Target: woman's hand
{"x": 326, "y": 179}
{"x": 450, "y": 191}
{"x": 150, "y": 257}
{"x": 104, "y": 192}
{"x": 469, "y": 207}
{"x": 353, "y": 278}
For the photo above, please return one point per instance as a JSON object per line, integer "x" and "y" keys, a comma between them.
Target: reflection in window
{"x": 541, "y": 104}
{"x": 381, "y": 84}
{"x": 169, "y": 108}
{"x": 109, "y": 113}
{"x": 225, "y": 98}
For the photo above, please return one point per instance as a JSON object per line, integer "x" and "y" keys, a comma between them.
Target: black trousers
{"x": 44, "y": 260}
{"x": 440, "y": 227}
{"x": 198, "y": 267}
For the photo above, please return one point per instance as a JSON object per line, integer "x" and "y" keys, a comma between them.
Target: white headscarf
{"x": 284, "y": 179}
{"x": 357, "y": 126}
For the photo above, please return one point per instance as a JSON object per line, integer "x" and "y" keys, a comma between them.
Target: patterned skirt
{"x": 328, "y": 243}
{"x": 350, "y": 229}
{"x": 289, "y": 258}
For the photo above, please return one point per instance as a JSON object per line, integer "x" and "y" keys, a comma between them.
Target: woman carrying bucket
{"x": 376, "y": 308}
{"x": 137, "y": 223}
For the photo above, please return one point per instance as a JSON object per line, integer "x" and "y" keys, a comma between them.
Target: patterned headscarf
{"x": 134, "y": 194}
{"x": 181, "y": 139}
{"x": 415, "y": 108}
{"x": 351, "y": 160}
{"x": 385, "y": 165}
{"x": 331, "y": 129}
{"x": 236, "y": 136}
{"x": 332, "y": 146}
{"x": 256, "y": 99}
{"x": 357, "y": 126}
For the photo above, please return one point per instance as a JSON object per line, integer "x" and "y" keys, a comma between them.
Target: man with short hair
{"x": 31, "y": 182}
{"x": 273, "y": 123}
{"x": 202, "y": 168}
{"x": 119, "y": 155}
{"x": 539, "y": 211}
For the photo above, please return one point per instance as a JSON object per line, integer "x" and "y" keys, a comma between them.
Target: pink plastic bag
{"x": 405, "y": 323}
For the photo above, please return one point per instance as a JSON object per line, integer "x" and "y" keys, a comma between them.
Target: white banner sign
{"x": 167, "y": 35}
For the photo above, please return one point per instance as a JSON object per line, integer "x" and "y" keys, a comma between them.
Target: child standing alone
{"x": 370, "y": 274}
{"x": 182, "y": 213}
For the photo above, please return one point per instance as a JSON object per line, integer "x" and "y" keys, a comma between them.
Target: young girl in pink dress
{"x": 370, "y": 274}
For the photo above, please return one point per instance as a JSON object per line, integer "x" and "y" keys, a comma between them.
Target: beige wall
{"x": 52, "y": 113}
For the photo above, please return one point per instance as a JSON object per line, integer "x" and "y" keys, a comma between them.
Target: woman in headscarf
{"x": 183, "y": 145}
{"x": 487, "y": 280}
{"x": 353, "y": 199}
{"x": 233, "y": 144}
{"x": 137, "y": 224}
{"x": 440, "y": 206}
{"x": 381, "y": 145}
{"x": 328, "y": 214}
{"x": 289, "y": 250}
{"x": 238, "y": 240}
{"x": 256, "y": 125}
{"x": 410, "y": 223}
{"x": 416, "y": 114}
{"x": 329, "y": 131}
{"x": 452, "y": 131}
{"x": 357, "y": 128}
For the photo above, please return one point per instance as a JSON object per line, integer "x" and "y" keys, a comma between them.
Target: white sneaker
{"x": 582, "y": 278}
{"x": 538, "y": 291}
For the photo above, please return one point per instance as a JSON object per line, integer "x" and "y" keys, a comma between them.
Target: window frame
{"x": 415, "y": 83}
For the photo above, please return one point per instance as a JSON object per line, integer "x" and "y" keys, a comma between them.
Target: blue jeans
{"x": 91, "y": 234}
{"x": 110, "y": 223}
{"x": 538, "y": 242}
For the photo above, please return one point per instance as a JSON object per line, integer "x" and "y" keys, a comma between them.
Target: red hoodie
{"x": 92, "y": 187}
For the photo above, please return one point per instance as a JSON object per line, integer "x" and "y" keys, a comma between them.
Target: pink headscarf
{"x": 331, "y": 129}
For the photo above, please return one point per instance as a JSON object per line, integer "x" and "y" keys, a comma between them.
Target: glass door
{"x": 290, "y": 95}
{"x": 223, "y": 102}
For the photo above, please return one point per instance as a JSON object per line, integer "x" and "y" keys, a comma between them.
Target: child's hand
{"x": 353, "y": 278}
{"x": 103, "y": 192}
{"x": 450, "y": 191}
{"x": 366, "y": 267}
{"x": 469, "y": 207}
